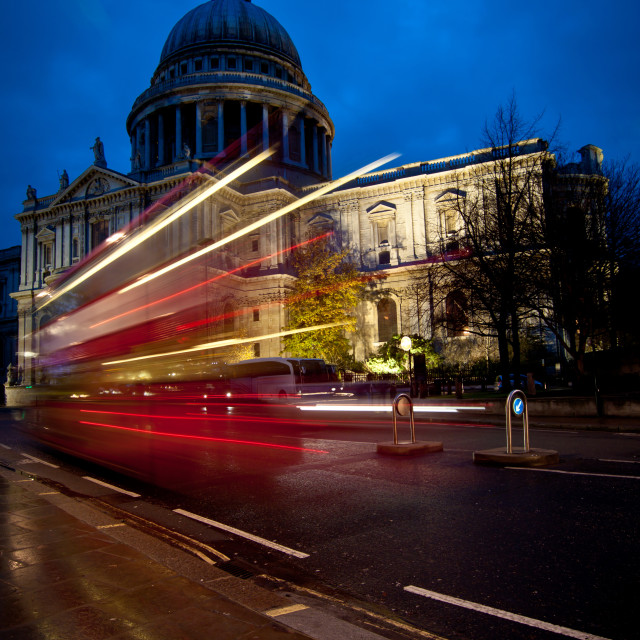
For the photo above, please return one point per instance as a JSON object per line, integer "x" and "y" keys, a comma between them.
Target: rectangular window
{"x": 256, "y": 315}
{"x": 214, "y": 63}
{"x": 99, "y": 232}
{"x": 231, "y": 63}
{"x": 248, "y": 65}
{"x": 264, "y": 67}
{"x": 183, "y": 68}
{"x": 197, "y": 65}
{"x": 383, "y": 232}
{"x": 255, "y": 244}
{"x": 278, "y": 72}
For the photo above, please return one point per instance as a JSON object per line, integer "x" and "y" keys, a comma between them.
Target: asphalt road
{"x": 460, "y": 550}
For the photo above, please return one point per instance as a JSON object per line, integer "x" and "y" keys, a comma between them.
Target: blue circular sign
{"x": 518, "y": 406}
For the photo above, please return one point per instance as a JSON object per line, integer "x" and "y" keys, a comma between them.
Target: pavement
{"x": 69, "y": 571}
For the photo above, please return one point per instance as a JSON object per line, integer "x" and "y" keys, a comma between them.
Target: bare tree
{"x": 501, "y": 208}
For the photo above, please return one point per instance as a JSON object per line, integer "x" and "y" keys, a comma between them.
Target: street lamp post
{"x": 405, "y": 345}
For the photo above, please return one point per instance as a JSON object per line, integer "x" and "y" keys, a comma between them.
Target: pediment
{"x": 46, "y": 234}
{"x": 382, "y": 209}
{"x": 94, "y": 182}
{"x": 450, "y": 195}
{"x": 229, "y": 218}
{"x": 320, "y": 220}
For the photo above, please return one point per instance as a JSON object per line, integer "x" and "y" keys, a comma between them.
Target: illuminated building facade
{"x": 230, "y": 84}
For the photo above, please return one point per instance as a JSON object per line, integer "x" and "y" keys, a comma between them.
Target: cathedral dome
{"x": 232, "y": 23}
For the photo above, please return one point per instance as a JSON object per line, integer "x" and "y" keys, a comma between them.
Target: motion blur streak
{"x": 432, "y": 408}
{"x": 154, "y": 227}
{"x": 226, "y": 343}
{"x": 206, "y": 282}
{"x": 270, "y": 218}
{"x": 205, "y": 438}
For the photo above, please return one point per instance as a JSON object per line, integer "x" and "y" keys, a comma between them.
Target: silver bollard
{"x": 397, "y": 412}
{"x": 517, "y": 403}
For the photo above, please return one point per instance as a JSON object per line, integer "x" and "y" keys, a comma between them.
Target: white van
{"x": 279, "y": 378}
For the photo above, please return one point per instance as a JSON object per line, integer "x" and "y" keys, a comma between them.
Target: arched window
{"x": 387, "y": 319}
{"x": 457, "y": 314}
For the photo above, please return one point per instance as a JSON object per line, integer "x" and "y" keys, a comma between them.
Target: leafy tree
{"x": 327, "y": 290}
{"x": 392, "y": 358}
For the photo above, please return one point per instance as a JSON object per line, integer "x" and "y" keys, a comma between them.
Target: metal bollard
{"x": 517, "y": 402}
{"x": 396, "y": 412}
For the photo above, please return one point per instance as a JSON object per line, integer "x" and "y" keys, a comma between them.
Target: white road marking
{"x": 111, "y": 526}
{"x": 4, "y": 446}
{"x": 499, "y": 613}
{"x": 34, "y": 459}
{"x": 110, "y": 486}
{"x": 574, "y": 473}
{"x": 243, "y": 534}
{"x": 623, "y": 461}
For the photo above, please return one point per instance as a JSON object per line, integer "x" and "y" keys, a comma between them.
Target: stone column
{"x": 265, "y": 127}
{"x": 316, "y": 132}
{"x": 198, "y": 129}
{"x": 285, "y": 136}
{"x": 220, "y": 126}
{"x": 243, "y": 127}
{"x": 323, "y": 151}
{"x": 329, "y": 165}
{"x": 178, "y": 150}
{"x": 160, "y": 139}
{"x": 147, "y": 144}
{"x": 303, "y": 150}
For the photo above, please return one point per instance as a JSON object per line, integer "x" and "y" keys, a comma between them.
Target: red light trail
{"x": 206, "y": 282}
{"x": 204, "y": 438}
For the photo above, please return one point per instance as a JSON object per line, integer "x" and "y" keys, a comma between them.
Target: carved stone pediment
{"x": 322, "y": 220}
{"x": 382, "y": 210}
{"x": 46, "y": 234}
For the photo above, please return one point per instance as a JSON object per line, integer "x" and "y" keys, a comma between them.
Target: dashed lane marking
{"x": 31, "y": 459}
{"x": 575, "y": 473}
{"x": 243, "y": 534}
{"x": 112, "y": 487}
{"x": 506, "y": 615}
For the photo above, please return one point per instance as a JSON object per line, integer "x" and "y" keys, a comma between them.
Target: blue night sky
{"x": 417, "y": 77}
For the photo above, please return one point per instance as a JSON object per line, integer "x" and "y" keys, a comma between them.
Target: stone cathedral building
{"x": 230, "y": 82}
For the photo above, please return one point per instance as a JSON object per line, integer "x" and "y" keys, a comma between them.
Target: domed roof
{"x": 231, "y": 22}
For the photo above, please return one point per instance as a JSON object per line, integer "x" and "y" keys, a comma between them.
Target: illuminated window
{"x": 387, "y": 320}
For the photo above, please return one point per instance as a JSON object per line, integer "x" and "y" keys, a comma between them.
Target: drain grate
{"x": 236, "y": 570}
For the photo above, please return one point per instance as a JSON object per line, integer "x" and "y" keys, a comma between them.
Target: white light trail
{"x": 226, "y": 343}
{"x": 154, "y": 227}
{"x": 432, "y": 408}
{"x": 260, "y": 223}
